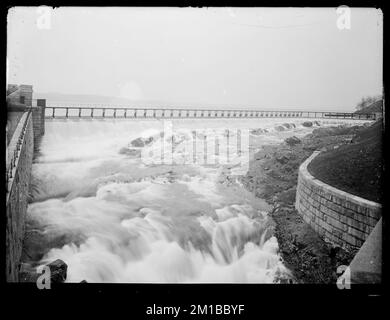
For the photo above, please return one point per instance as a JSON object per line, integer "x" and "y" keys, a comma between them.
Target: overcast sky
{"x": 227, "y": 56}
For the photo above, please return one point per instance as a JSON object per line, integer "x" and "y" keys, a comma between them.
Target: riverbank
{"x": 273, "y": 176}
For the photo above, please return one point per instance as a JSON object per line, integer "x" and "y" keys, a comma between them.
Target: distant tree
{"x": 366, "y": 101}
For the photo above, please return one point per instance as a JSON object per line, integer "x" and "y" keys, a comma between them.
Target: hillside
{"x": 357, "y": 167}
{"x": 373, "y": 108}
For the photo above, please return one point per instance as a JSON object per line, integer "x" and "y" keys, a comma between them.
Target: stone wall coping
{"x": 334, "y": 191}
{"x": 12, "y": 146}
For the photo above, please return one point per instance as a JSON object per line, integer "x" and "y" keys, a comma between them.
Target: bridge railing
{"x": 14, "y": 148}
{"x": 120, "y": 112}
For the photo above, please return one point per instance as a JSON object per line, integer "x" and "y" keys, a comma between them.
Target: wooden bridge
{"x": 177, "y": 113}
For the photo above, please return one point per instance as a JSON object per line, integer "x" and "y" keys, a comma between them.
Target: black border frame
{"x": 135, "y": 297}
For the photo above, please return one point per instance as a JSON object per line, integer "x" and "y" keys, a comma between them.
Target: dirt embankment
{"x": 273, "y": 176}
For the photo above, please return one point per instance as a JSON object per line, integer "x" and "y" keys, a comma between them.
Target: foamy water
{"x": 113, "y": 217}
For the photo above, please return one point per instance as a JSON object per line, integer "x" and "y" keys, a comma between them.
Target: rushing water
{"x": 114, "y": 217}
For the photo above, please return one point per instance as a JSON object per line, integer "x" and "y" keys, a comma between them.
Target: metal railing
{"x": 14, "y": 150}
{"x": 121, "y": 112}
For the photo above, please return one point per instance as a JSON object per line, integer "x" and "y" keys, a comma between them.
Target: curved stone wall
{"x": 338, "y": 217}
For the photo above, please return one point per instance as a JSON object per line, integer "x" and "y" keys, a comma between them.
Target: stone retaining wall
{"x": 38, "y": 116}
{"x": 13, "y": 118}
{"x": 338, "y": 217}
{"x": 17, "y": 196}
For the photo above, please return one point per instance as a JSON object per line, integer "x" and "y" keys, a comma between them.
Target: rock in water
{"x": 257, "y": 131}
{"x": 148, "y": 140}
{"x": 58, "y": 269}
{"x": 139, "y": 142}
{"x": 58, "y": 272}
{"x": 307, "y": 124}
{"x": 130, "y": 152}
{"x": 291, "y": 141}
{"x": 282, "y": 159}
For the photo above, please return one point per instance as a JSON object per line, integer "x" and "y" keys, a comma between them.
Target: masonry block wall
{"x": 13, "y": 118}
{"x": 22, "y": 94}
{"x": 19, "y": 102}
{"x": 19, "y": 98}
{"x": 16, "y": 199}
{"x": 26, "y": 91}
{"x": 338, "y": 217}
{"x": 38, "y": 118}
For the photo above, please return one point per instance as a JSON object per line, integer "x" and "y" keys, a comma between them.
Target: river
{"x": 119, "y": 201}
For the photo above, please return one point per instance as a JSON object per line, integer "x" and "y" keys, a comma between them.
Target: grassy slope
{"x": 355, "y": 168}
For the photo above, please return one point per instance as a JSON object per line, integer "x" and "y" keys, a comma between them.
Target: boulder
{"x": 58, "y": 272}
{"x": 148, "y": 140}
{"x": 130, "y": 152}
{"x": 282, "y": 159}
{"x": 139, "y": 143}
{"x": 257, "y": 131}
{"x": 291, "y": 141}
{"x": 58, "y": 269}
{"x": 307, "y": 124}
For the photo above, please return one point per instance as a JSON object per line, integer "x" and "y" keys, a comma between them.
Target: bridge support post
{"x": 38, "y": 119}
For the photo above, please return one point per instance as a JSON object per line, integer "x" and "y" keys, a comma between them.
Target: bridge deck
{"x": 159, "y": 113}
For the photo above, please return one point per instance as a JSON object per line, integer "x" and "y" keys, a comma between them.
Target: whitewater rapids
{"x": 112, "y": 217}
